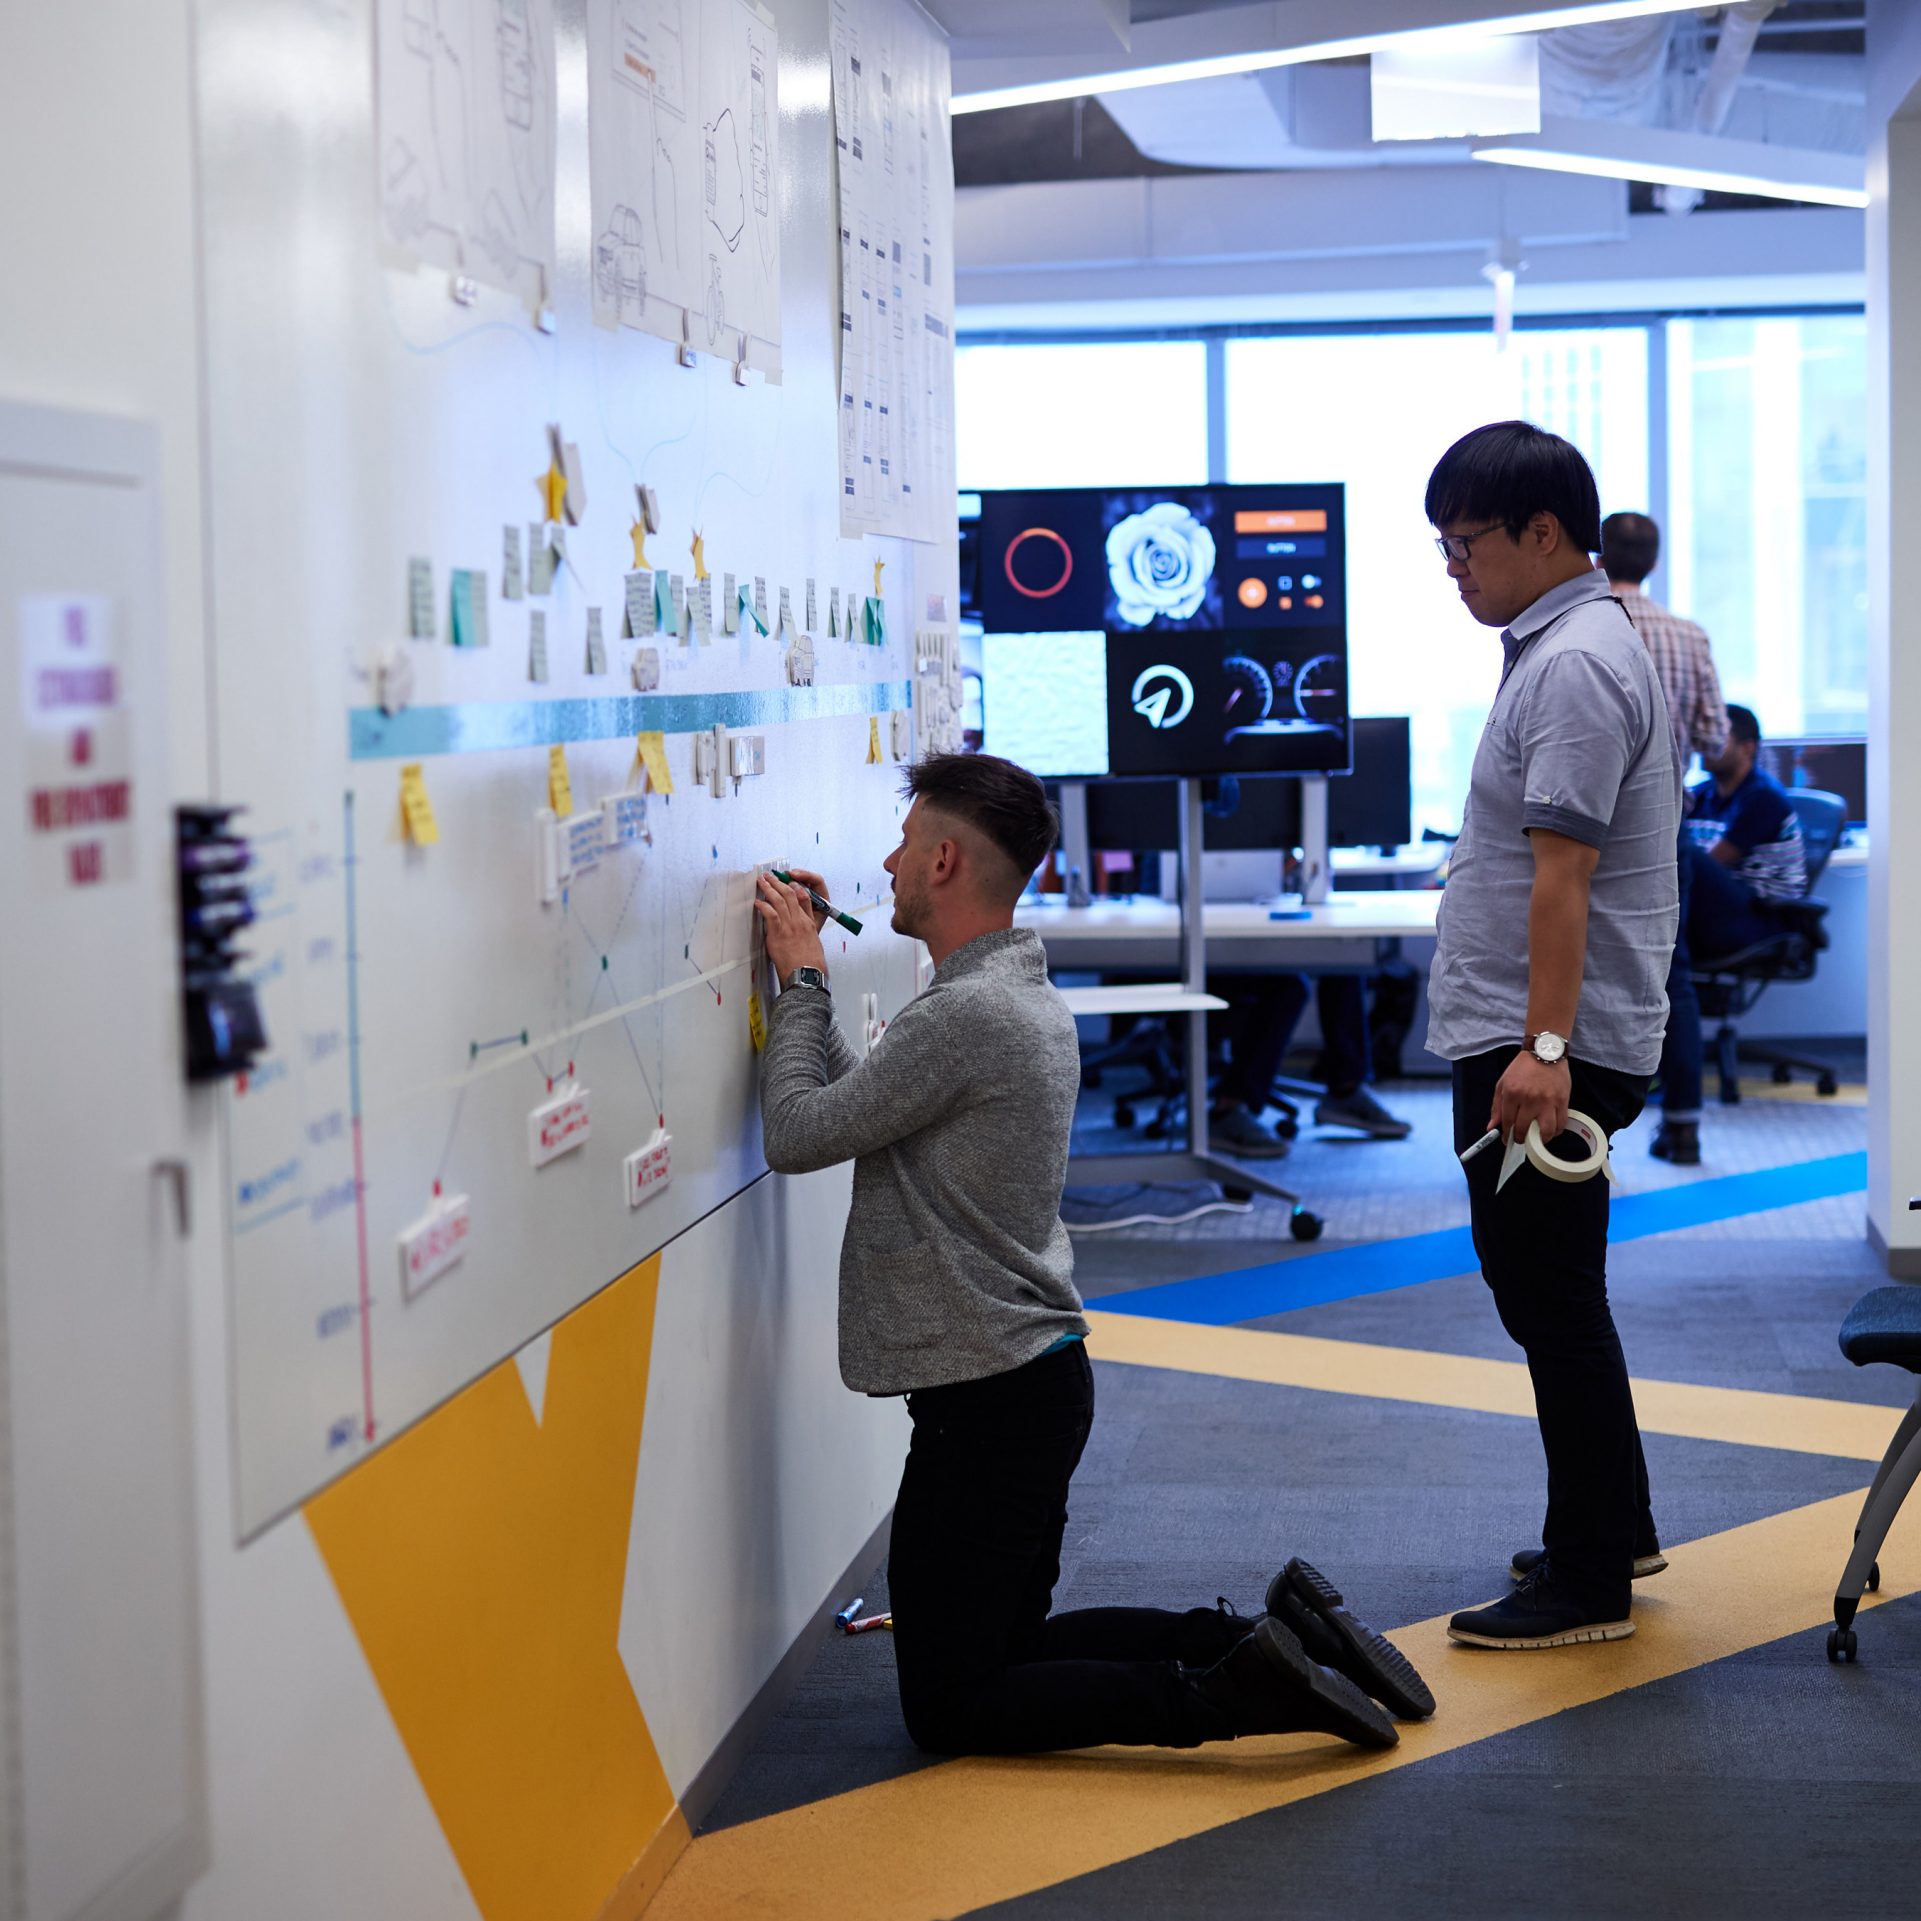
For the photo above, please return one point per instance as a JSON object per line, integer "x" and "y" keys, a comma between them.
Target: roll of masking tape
{"x": 1534, "y": 1151}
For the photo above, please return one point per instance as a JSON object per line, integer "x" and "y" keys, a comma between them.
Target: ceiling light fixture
{"x": 1260, "y": 60}
{"x": 1820, "y": 178}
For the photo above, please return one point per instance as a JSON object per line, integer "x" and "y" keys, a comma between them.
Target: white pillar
{"x": 1894, "y": 635}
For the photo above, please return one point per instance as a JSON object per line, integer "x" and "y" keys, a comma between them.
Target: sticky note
{"x": 812, "y": 622}
{"x": 874, "y": 755}
{"x": 553, "y": 490}
{"x": 560, "y": 786}
{"x": 760, "y": 600}
{"x": 575, "y": 498}
{"x": 469, "y": 624}
{"x": 510, "y": 588}
{"x": 652, "y": 749}
{"x": 748, "y": 612}
{"x": 639, "y": 534}
{"x": 756, "y": 1021}
{"x": 541, "y": 543}
{"x": 879, "y": 568}
{"x": 665, "y": 617}
{"x": 699, "y": 551}
{"x": 729, "y": 605}
{"x": 679, "y": 592}
{"x": 416, "y": 810}
{"x": 833, "y": 613}
{"x": 537, "y": 649}
{"x": 640, "y": 606}
{"x": 596, "y": 647}
{"x": 875, "y": 614}
{"x": 786, "y": 612}
{"x": 420, "y": 599}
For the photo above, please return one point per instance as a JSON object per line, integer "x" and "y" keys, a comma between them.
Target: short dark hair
{"x": 1001, "y": 800}
{"x": 1511, "y": 471}
{"x": 1630, "y": 547}
{"x": 1742, "y": 725}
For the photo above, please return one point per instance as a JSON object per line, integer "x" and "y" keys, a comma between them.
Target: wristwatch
{"x": 807, "y": 977}
{"x": 1546, "y": 1047}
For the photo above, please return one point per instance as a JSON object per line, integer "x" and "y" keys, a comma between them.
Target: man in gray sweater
{"x": 957, "y": 1290}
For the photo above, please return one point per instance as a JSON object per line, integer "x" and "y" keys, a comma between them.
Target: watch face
{"x": 1549, "y": 1048}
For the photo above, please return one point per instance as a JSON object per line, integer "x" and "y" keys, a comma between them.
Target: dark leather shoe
{"x": 1541, "y": 1613}
{"x": 1266, "y": 1684}
{"x": 1311, "y": 1605}
{"x": 1679, "y": 1143}
{"x": 1527, "y": 1559}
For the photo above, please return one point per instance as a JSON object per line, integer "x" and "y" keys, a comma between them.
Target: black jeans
{"x": 1265, "y": 1009}
{"x": 976, "y": 1551}
{"x": 1543, "y": 1251}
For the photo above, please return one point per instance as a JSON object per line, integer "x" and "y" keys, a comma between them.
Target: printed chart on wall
{"x": 466, "y": 121}
{"x": 895, "y": 171}
{"x": 563, "y": 662}
{"x": 683, "y": 118}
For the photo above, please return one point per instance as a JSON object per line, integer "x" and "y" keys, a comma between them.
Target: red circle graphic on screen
{"x": 1054, "y": 586}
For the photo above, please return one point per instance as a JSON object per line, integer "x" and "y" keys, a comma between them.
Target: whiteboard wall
{"x": 362, "y": 418}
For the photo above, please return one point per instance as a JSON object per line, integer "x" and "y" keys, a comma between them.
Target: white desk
{"x": 1418, "y": 861}
{"x": 1346, "y": 933}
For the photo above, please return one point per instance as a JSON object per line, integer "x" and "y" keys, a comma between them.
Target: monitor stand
{"x": 1197, "y": 1163}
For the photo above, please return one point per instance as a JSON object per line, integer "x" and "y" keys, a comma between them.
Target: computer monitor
{"x": 1172, "y": 630}
{"x": 1374, "y": 806}
{"x": 1143, "y": 816}
{"x": 1834, "y": 763}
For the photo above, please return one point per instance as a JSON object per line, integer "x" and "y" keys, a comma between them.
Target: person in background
{"x": 1265, "y": 1010}
{"x": 1741, "y": 851}
{"x": 1684, "y": 660}
{"x": 957, "y": 1291}
{"x": 1556, "y": 926}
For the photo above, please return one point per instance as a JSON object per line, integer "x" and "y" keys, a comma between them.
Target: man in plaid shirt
{"x": 1684, "y": 662}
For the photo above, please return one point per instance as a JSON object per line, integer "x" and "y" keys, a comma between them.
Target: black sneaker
{"x": 1266, "y": 1684}
{"x": 1678, "y": 1142}
{"x": 1529, "y": 1558}
{"x": 1311, "y": 1605}
{"x": 1362, "y": 1112}
{"x": 1540, "y": 1613}
{"x": 1235, "y": 1131}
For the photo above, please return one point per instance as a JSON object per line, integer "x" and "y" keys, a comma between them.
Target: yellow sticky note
{"x": 416, "y": 810}
{"x": 639, "y": 532}
{"x": 560, "y": 786}
{"x": 873, "y": 739}
{"x": 652, "y": 749}
{"x": 699, "y": 551}
{"x": 879, "y": 567}
{"x": 553, "y": 491}
{"x": 756, "y": 1021}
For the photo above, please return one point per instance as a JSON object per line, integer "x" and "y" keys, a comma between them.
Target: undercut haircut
{"x": 1001, "y": 801}
{"x": 1511, "y": 471}
{"x": 1743, "y": 726}
{"x": 1630, "y": 547}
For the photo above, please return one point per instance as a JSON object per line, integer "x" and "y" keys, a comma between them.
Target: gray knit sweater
{"x": 955, "y": 1264}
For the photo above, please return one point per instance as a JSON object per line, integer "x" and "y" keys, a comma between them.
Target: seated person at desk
{"x": 1743, "y": 852}
{"x": 957, "y": 1291}
{"x": 1265, "y": 1010}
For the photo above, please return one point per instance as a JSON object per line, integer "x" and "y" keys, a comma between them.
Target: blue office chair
{"x": 1730, "y": 985}
{"x": 1882, "y": 1326}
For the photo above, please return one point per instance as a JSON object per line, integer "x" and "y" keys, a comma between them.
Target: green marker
{"x": 826, "y": 906}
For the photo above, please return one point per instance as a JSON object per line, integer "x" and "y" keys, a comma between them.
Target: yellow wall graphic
{"x": 480, "y": 1558}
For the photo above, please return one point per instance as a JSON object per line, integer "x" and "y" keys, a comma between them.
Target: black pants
{"x": 1265, "y": 1010}
{"x": 975, "y": 1555}
{"x": 1543, "y": 1251}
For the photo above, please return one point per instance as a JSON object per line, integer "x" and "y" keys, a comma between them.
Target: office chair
{"x": 1730, "y": 986}
{"x": 1884, "y": 1325}
{"x": 1148, "y": 1044}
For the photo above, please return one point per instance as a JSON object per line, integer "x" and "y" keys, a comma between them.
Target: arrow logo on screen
{"x": 1155, "y": 689}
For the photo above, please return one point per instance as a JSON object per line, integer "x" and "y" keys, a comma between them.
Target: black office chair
{"x": 1882, "y": 1326}
{"x": 1730, "y": 985}
{"x": 1147, "y": 1042}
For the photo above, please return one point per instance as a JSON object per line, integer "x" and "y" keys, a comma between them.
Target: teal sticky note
{"x": 748, "y": 611}
{"x": 874, "y": 622}
{"x": 469, "y": 624}
{"x": 665, "y": 618}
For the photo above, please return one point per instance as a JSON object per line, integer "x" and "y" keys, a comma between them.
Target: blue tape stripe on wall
{"x": 493, "y": 726}
{"x": 1309, "y": 1280}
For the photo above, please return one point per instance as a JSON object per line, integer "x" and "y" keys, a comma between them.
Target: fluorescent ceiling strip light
{"x": 1261, "y": 60}
{"x": 1660, "y": 174}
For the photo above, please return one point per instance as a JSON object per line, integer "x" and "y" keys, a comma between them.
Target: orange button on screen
{"x": 1315, "y": 600}
{"x": 1281, "y": 520}
{"x": 1285, "y": 603}
{"x": 1253, "y": 592}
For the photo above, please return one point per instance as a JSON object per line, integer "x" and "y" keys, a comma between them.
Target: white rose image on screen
{"x": 1160, "y": 562}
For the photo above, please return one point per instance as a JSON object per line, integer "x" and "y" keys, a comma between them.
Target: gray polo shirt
{"x": 1577, "y": 741}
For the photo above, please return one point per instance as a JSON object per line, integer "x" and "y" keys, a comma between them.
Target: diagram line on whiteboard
{"x": 360, "y": 1165}
{"x": 498, "y": 726}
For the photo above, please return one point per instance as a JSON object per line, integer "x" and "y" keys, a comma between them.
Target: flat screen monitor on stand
{"x": 1184, "y": 631}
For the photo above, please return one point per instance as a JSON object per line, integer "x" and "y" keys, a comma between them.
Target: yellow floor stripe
{"x": 1801, "y": 1424}
{"x": 956, "y": 1837}
{"x": 1846, "y": 1094}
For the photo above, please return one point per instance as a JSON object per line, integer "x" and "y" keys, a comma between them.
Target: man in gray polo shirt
{"x": 1548, "y": 989}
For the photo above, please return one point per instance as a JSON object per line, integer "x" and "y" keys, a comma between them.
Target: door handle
{"x": 174, "y": 1172}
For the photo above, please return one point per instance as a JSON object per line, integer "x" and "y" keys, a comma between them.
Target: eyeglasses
{"x": 1461, "y": 546}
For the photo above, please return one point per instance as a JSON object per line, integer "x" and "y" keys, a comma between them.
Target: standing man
{"x": 1569, "y": 833}
{"x": 1630, "y": 549}
{"x": 956, "y": 1290}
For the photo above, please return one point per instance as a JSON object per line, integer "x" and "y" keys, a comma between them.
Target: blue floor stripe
{"x": 1309, "y": 1280}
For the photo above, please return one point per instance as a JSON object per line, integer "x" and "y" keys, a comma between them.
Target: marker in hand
{"x": 826, "y": 906}
{"x": 1488, "y": 1139}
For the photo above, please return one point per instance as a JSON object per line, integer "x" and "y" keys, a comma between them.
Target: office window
{"x": 1375, "y": 411}
{"x": 1108, "y": 413}
{"x": 1767, "y": 533}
